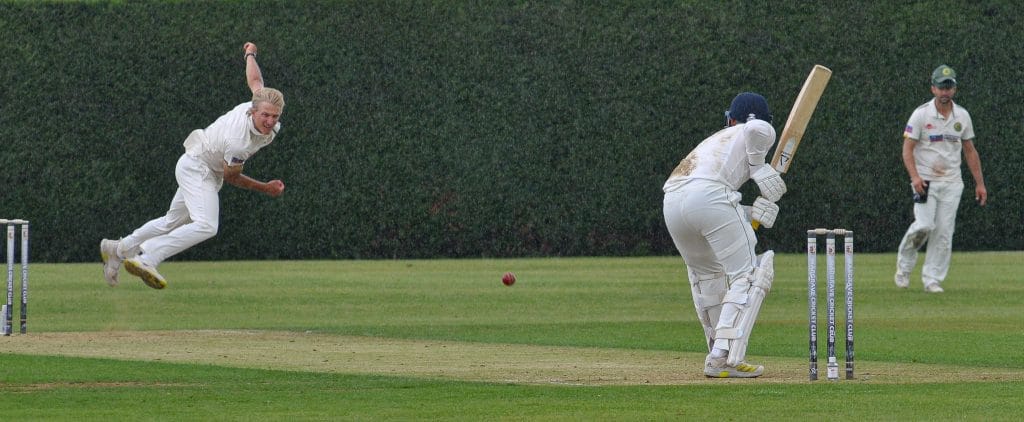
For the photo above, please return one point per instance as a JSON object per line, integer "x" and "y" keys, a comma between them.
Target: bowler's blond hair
{"x": 268, "y": 95}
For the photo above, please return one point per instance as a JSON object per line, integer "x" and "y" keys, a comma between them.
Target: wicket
{"x": 832, "y": 367}
{"x": 8, "y": 308}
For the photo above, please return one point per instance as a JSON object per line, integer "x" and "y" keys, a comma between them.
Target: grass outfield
{"x": 573, "y": 339}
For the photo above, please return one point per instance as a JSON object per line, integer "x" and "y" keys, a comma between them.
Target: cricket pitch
{"x": 452, "y": 360}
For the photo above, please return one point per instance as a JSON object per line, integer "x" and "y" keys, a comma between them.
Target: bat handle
{"x": 756, "y": 224}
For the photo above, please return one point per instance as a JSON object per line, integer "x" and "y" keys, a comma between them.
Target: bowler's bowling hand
{"x": 275, "y": 188}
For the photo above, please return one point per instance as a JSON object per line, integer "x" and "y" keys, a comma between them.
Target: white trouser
{"x": 712, "y": 233}
{"x": 192, "y": 217}
{"x": 934, "y": 223}
{"x": 710, "y": 229}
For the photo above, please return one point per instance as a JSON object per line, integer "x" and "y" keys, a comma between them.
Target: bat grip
{"x": 756, "y": 224}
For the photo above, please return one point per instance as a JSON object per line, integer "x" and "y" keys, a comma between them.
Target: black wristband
{"x": 246, "y": 57}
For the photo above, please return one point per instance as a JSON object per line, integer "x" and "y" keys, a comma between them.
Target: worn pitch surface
{"x": 452, "y": 360}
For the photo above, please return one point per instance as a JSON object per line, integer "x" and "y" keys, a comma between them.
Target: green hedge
{"x": 469, "y": 129}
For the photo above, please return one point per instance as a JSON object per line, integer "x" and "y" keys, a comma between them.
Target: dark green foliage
{"x": 461, "y": 129}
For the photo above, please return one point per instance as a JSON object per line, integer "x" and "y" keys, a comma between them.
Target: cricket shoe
{"x": 146, "y": 272}
{"x": 717, "y": 368}
{"x": 111, "y": 262}
{"x": 933, "y": 288}
{"x": 902, "y": 280}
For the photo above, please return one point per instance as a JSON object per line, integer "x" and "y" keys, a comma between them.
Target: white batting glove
{"x": 771, "y": 184}
{"x": 764, "y": 212}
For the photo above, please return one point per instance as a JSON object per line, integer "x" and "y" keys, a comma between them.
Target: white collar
{"x": 935, "y": 109}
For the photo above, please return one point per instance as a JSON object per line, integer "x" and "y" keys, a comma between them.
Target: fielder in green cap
{"x": 936, "y": 135}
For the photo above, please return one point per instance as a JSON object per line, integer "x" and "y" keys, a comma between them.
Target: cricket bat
{"x": 799, "y": 116}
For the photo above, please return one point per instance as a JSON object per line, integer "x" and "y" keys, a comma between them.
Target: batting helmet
{"x": 747, "y": 104}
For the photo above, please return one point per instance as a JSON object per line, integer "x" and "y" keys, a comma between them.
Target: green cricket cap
{"x": 944, "y": 76}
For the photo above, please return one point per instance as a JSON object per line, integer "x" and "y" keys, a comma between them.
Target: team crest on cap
{"x": 946, "y": 71}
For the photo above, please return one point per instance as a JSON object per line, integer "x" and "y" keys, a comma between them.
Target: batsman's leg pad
{"x": 745, "y": 298}
{"x": 708, "y": 293}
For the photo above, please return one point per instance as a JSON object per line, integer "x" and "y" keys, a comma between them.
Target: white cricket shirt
{"x": 939, "y": 141}
{"x": 232, "y": 138}
{"x": 729, "y": 156}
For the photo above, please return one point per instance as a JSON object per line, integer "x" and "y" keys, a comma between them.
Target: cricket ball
{"x": 509, "y": 278}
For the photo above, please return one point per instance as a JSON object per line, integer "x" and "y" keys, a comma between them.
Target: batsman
{"x": 713, "y": 232}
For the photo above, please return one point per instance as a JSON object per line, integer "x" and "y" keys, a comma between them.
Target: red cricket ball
{"x": 509, "y": 278}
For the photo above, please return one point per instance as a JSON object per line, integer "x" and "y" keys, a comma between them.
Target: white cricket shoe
{"x": 111, "y": 262}
{"x": 933, "y": 288}
{"x": 902, "y": 280}
{"x": 146, "y": 272}
{"x": 717, "y": 368}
